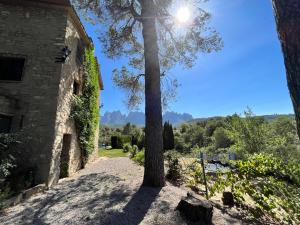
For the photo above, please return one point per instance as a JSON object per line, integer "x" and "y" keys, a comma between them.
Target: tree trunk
{"x": 154, "y": 163}
{"x": 287, "y": 14}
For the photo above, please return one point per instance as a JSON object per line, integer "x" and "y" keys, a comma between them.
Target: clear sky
{"x": 247, "y": 72}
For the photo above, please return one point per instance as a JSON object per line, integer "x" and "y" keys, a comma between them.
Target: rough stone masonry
{"x": 35, "y": 89}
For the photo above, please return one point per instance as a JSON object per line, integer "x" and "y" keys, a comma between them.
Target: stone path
{"x": 106, "y": 192}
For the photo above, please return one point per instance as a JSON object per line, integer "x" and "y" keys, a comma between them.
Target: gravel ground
{"x": 106, "y": 192}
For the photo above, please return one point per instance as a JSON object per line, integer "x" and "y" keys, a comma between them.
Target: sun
{"x": 183, "y": 14}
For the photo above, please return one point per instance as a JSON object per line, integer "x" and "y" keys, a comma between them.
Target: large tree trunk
{"x": 154, "y": 164}
{"x": 287, "y": 14}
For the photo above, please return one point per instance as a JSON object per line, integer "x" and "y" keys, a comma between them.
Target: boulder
{"x": 195, "y": 209}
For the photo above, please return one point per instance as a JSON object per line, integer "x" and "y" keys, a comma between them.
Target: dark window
{"x": 11, "y": 69}
{"x": 65, "y": 156}
{"x": 80, "y": 53}
{"x": 76, "y": 88}
{"x": 5, "y": 123}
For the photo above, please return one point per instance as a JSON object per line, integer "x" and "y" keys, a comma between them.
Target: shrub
{"x": 221, "y": 138}
{"x": 271, "y": 183}
{"x": 175, "y": 169}
{"x": 195, "y": 175}
{"x": 125, "y": 139}
{"x": 133, "y": 151}
{"x": 139, "y": 158}
{"x": 127, "y": 148}
{"x": 6, "y": 158}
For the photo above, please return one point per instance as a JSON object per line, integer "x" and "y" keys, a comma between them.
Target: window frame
{"x": 15, "y": 56}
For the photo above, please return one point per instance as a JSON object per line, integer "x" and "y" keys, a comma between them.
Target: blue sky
{"x": 248, "y": 72}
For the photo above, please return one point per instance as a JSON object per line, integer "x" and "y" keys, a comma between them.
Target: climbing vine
{"x": 85, "y": 108}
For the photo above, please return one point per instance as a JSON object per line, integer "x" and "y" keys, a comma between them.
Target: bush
{"x": 6, "y": 158}
{"x": 133, "y": 151}
{"x": 271, "y": 183}
{"x": 175, "y": 169}
{"x": 139, "y": 158}
{"x": 221, "y": 138}
{"x": 195, "y": 175}
{"x": 127, "y": 148}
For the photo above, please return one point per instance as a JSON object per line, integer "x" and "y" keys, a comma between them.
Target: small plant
{"x": 195, "y": 175}
{"x": 133, "y": 151}
{"x": 139, "y": 158}
{"x": 175, "y": 169}
{"x": 127, "y": 148}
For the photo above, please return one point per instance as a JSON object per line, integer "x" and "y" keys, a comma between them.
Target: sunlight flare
{"x": 183, "y": 15}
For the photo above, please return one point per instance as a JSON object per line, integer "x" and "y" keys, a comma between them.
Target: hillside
{"x": 117, "y": 118}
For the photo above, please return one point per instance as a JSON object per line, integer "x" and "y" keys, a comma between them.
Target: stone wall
{"x": 38, "y": 34}
{"x": 42, "y": 100}
{"x": 70, "y": 73}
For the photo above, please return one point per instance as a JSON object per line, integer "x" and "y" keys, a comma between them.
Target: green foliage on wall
{"x": 6, "y": 158}
{"x": 85, "y": 108}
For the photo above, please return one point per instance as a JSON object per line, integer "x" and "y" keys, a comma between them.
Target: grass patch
{"x": 112, "y": 153}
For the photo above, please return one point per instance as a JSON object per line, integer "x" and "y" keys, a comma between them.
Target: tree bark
{"x": 287, "y": 15}
{"x": 154, "y": 163}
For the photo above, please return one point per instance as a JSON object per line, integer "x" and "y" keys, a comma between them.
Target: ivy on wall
{"x": 85, "y": 108}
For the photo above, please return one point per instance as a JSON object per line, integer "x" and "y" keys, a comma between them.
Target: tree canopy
{"x": 121, "y": 22}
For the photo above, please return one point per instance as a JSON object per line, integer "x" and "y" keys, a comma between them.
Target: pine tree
{"x": 153, "y": 41}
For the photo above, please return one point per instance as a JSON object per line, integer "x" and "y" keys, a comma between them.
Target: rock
{"x": 228, "y": 199}
{"x": 194, "y": 209}
{"x": 33, "y": 191}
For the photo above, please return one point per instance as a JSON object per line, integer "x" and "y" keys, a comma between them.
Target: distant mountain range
{"x": 117, "y": 118}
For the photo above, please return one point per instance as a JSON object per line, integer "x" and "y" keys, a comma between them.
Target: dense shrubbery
{"x": 85, "y": 108}
{"x": 117, "y": 137}
{"x": 271, "y": 183}
{"x": 243, "y": 135}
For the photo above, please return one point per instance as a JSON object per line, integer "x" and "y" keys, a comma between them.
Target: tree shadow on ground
{"x": 71, "y": 202}
{"x": 136, "y": 209}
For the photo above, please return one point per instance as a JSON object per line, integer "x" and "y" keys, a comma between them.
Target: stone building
{"x": 42, "y": 46}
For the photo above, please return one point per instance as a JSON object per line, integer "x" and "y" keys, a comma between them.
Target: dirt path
{"x": 106, "y": 192}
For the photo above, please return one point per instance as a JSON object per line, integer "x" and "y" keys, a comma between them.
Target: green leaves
{"x": 85, "y": 108}
{"x": 271, "y": 183}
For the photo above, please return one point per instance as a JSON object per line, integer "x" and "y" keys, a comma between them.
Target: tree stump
{"x": 228, "y": 199}
{"x": 194, "y": 209}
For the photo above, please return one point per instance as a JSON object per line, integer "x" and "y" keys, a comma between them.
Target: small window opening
{"x": 80, "y": 53}
{"x": 11, "y": 68}
{"x": 76, "y": 87}
{"x": 65, "y": 156}
{"x": 5, "y": 123}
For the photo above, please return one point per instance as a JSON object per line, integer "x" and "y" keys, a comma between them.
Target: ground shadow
{"x": 135, "y": 210}
{"x": 71, "y": 202}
